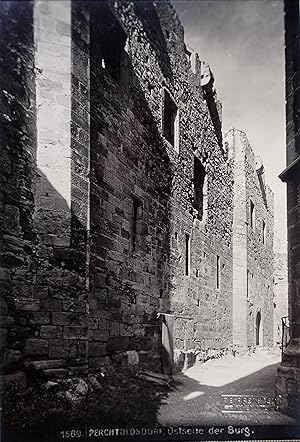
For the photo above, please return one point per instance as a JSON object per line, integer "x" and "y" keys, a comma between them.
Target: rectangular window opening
{"x": 247, "y": 284}
{"x": 200, "y": 197}
{"x": 263, "y": 232}
{"x": 252, "y": 215}
{"x": 137, "y": 217}
{"x": 218, "y": 272}
{"x": 187, "y": 254}
{"x": 110, "y": 40}
{"x": 170, "y": 121}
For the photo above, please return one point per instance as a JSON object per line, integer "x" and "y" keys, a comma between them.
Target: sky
{"x": 243, "y": 42}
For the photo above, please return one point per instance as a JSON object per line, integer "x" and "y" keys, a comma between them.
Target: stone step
{"x": 46, "y": 365}
{"x": 56, "y": 373}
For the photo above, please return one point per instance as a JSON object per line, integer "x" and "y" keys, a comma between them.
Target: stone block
{"x": 40, "y": 292}
{"x": 55, "y": 373}
{"x": 140, "y": 343}
{"x": 133, "y": 357}
{"x": 57, "y": 349}
{"x": 118, "y": 344}
{"x": 36, "y": 347}
{"x": 97, "y": 349}
{"x": 97, "y": 362}
{"x": 48, "y": 364}
{"x": 40, "y": 318}
{"x": 51, "y": 305}
{"x": 50, "y": 332}
{"x": 114, "y": 328}
{"x": 72, "y": 305}
{"x": 101, "y": 335}
{"x": 27, "y": 304}
{"x": 64, "y": 318}
{"x": 75, "y": 332}
{"x": 57, "y": 241}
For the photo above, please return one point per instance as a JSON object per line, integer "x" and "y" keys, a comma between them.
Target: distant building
{"x": 253, "y": 232}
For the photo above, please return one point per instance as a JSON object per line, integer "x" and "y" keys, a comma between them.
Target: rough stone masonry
{"x": 117, "y": 200}
{"x": 288, "y": 379}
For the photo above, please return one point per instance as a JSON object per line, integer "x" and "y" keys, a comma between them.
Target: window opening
{"x": 137, "y": 217}
{"x": 252, "y": 215}
{"x": 171, "y": 121}
{"x": 218, "y": 272}
{"x": 200, "y": 189}
{"x": 187, "y": 254}
{"x": 263, "y": 232}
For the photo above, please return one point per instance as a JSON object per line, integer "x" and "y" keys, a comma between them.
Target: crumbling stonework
{"x": 119, "y": 201}
{"x": 253, "y": 225}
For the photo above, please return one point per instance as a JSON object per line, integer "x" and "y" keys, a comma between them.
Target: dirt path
{"x": 199, "y": 398}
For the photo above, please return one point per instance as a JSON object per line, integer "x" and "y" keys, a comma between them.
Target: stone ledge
{"x": 49, "y": 364}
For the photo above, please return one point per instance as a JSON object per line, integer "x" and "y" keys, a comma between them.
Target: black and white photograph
{"x": 150, "y": 220}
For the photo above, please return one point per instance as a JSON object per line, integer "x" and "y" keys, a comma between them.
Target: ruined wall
{"x": 253, "y": 245}
{"x": 131, "y": 159}
{"x": 239, "y": 275}
{"x": 260, "y": 252}
{"x": 60, "y": 194}
{"x": 46, "y": 194}
{"x": 129, "y": 165}
{"x": 18, "y": 147}
{"x": 98, "y": 201}
{"x": 197, "y": 294}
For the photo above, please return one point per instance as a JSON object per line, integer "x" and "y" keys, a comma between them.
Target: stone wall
{"x": 18, "y": 151}
{"x": 280, "y": 293}
{"x": 288, "y": 380}
{"x": 252, "y": 246}
{"x": 260, "y": 253}
{"x": 45, "y": 192}
{"x": 61, "y": 191}
{"x": 119, "y": 199}
{"x": 132, "y": 160}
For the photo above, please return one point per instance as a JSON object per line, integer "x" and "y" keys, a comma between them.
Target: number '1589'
{"x": 70, "y": 434}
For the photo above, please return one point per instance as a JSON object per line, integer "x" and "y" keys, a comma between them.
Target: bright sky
{"x": 243, "y": 42}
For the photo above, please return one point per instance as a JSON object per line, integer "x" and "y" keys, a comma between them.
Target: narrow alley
{"x": 203, "y": 391}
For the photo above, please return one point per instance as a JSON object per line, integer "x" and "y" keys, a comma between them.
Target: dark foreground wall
{"x": 18, "y": 151}
{"x": 288, "y": 380}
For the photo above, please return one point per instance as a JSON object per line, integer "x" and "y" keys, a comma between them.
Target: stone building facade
{"x": 280, "y": 295}
{"x": 117, "y": 191}
{"x": 253, "y": 257}
{"x": 288, "y": 380}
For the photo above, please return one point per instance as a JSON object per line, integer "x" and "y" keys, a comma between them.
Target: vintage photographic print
{"x": 150, "y": 250}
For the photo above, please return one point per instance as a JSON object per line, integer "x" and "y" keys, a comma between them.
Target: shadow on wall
{"x": 130, "y": 196}
{"x": 129, "y": 163}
